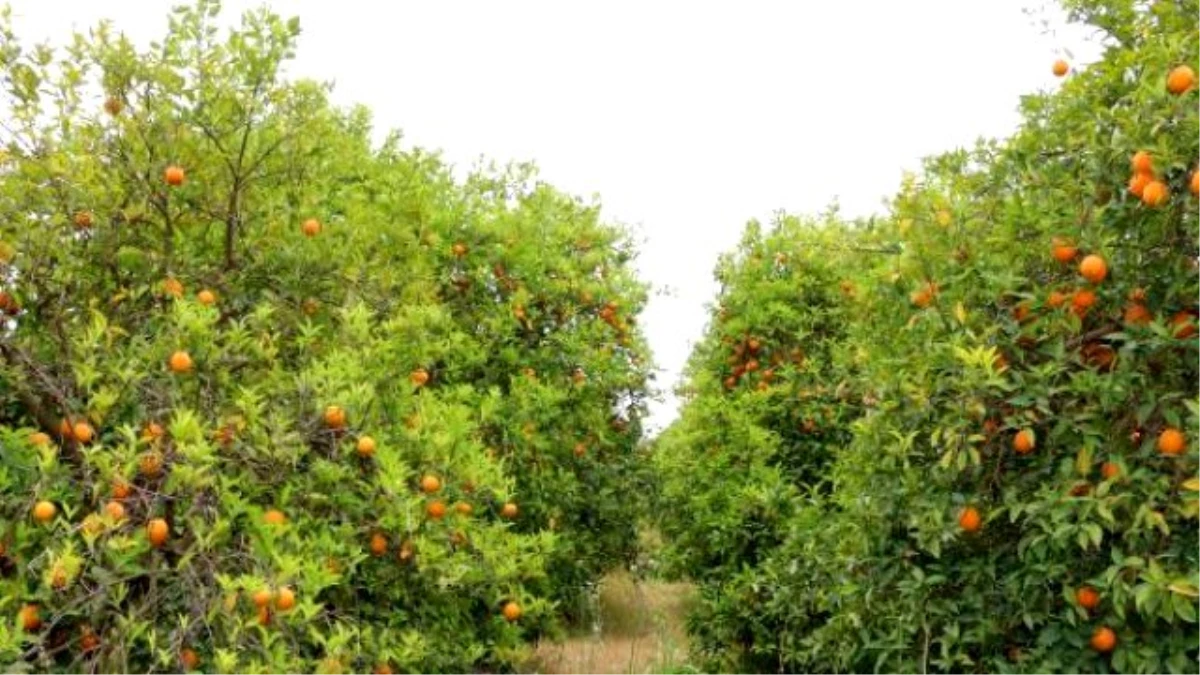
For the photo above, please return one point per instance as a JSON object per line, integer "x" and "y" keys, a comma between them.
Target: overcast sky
{"x": 686, "y": 118}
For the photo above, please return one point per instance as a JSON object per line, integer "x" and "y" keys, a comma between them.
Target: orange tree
{"x": 264, "y": 404}
{"x": 1010, "y": 484}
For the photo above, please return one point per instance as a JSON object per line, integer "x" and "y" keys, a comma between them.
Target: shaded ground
{"x": 640, "y": 630}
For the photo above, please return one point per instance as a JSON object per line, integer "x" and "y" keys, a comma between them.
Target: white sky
{"x": 686, "y": 118}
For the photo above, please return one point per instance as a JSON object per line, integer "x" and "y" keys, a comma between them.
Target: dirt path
{"x": 641, "y": 630}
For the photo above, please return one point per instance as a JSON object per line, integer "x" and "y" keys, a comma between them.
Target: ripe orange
{"x": 173, "y": 176}
{"x": 1141, "y": 162}
{"x": 512, "y": 611}
{"x": 274, "y": 517}
{"x": 969, "y": 520}
{"x": 115, "y": 510}
{"x": 88, "y": 642}
{"x": 509, "y": 510}
{"x": 1024, "y": 442}
{"x": 1056, "y": 299}
{"x": 1082, "y": 301}
{"x": 752, "y": 365}
{"x": 1138, "y": 182}
{"x": 189, "y": 658}
{"x": 150, "y": 464}
{"x": 335, "y": 417}
{"x": 1021, "y": 312}
{"x": 285, "y": 599}
{"x": 365, "y": 446}
{"x": 1063, "y": 250}
{"x": 1103, "y": 640}
{"x": 1184, "y": 324}
{"x": 1060, "y": 68}
{"x": 463, "y": 508}
{"x": 1093, "y": 268}
{"x": 1194, "y": 183}
{"x": 180, "y": 362}
{"x": 206, "y": 297}
{"x": 83, "y": 432}
{"x": 39, "y": 438}
{"x": 1180, "y": 79}
{"x": 120, "y": 489}
{"x": 172, "y": 287}
{"x": 262, "y": 597}
{"x": 152, "y": 431}
{"x": 1156, "y": 193}
{"x": 1110, "y": 470}
{"x": 378, "y": 544}
{"x": 83, "y": 219}
{"x": 44, "y": 511}
{"x": 311, "y": 227}
{"x": 1136, "y": 314}
{"x": 30, "y": 618}
{"x": 1171, "y": 441}
{"x": 459, "y": 249}
{"x": 157, "y": 530}
{"x": 1087, "y": 597}
{"x": 436, "y": 509}
{"x": 922, "y": 298}
{"x": 430, "y": 484}
{"x": 418, "y": 377}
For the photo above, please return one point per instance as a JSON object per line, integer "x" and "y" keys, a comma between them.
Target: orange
{"x": 274, "y": 517}
{"x": 113, "y": 106}
{"x": 88, "y": 640}
{"x": 1093, "y": 268}
{"x": 172, "y": 286}
{"x": 157, "y": 530}
{"x": 189, "y": 658}
{"x": 1184, "y": 324}
{"x": 173, "y": 175}
{"x": 83, "y": 219}
{"x": 1087, "y": 597}
{"x": 83, "y": 432}
{"x": 378, "y": 544}
{"x": 1083, "y": 301}
{"x": 311, "y": 227}
{"x": 180, "y": 362}
{"x": 1136, "y": 314}
{"x": 1180, "y": 79}
{"x": 1056, "y": 299}
{"x": 580, "y": 450}
{"x": 1021, "y": 312}
{"x": 512, "y": 611}
{"x": 152, "y": 431}
{"x": 335, "y": 417}
{"x": 1194, "y": 183}
{"x": 922, "y": 298}
{"x": 459, "y": 249}
{"x": 1156, "y": 193}
{"x": 751, "y": 365}
{"x": 1171, "y": 441}
{"x": 44, "y": 511}
{"x": 1060, "y": 68}
{"x": 206, "y": 297}
{"x": 150, "y": 464}
{"x": 285, "y": 599}
{"x": 1024, "y": 442}
{"x": 1103, "y": 640}
{"x": 262, "y": 597}
{"x": 115, "y": 510}
{"x": 418, "y": 377}
{"x": 1110, "y": 470}
{"x": 39, "y": 439}
{"x": 430, "y": 484}
{"x": 463, "y": 508}
{"x": 1063, "y": 250}
{"x": 382, "y": 669}
{"x": 509, "y": 510}
{"x": 969, "y": 520}
{"x": 436, "y": 509}
{"x": 1138, "y": 182}
{"x": 120, "y": 489}
{"x": 365, "y": 446}
{"x": 30, "y": 618}
{"x": 1142, "y": 162}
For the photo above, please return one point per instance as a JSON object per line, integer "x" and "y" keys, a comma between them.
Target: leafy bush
{"x": 274, "y": 398}
{"x": 1001, "y": 470}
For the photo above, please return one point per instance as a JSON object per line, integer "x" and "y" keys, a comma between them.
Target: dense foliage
{"x": 274, "y": 398}
{"x": 963, "y": 437}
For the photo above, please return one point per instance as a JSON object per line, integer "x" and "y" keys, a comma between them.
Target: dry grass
{"x": 641, "y": 630}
